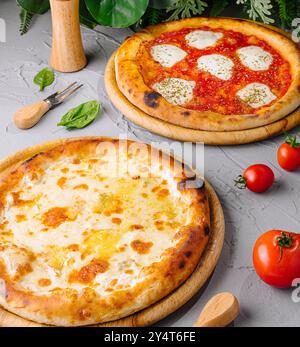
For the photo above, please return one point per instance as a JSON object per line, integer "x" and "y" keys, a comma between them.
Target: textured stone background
{"x": 247, "y": 215}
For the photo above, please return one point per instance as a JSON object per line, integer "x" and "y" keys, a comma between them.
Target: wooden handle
{"x": 67, "y": 49}
{"x": 28, "y": 116}
{"x": 220, "y": 311}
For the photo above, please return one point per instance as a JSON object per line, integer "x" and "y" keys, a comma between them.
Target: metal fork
{"x": 30, "y": 115}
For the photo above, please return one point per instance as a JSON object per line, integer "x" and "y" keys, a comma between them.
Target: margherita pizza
{"x": 94, "y": 230}
{"x": 212, "y": 74}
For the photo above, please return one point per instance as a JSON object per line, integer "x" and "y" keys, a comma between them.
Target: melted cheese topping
{"x": 255, "y": 58}
{"x": 176, "y": 91}
{"x": 202, "y": 39}
{"x": 256, "y": 95}
{"x": 167, "y": 55}
{"x": 217, "y": 65}
{"x": 60, "y": 236}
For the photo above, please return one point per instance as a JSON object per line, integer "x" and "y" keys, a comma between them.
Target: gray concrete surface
{"x": 247, "y": 215}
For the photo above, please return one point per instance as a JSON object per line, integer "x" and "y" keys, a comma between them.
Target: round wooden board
{"x": 165, "y": 306}
{"x": 176, "y": 132}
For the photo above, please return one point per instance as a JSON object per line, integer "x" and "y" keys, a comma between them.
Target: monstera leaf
{"x": 34, "y": 6}
{"x": 117, "y": 13}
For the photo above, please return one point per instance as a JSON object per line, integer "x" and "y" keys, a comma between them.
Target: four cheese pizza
{"x": 210, "y": 74}
{"x": 95, "y": 230}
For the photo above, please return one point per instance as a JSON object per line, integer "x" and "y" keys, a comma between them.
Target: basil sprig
{"x": 44, "y": 78}
{"x": 80, "y": 116}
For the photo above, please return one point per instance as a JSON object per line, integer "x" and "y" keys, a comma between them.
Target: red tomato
{"x": 288, "y": 154}
{"x": 258, "y": 178}
{"x": 276, "y": 258}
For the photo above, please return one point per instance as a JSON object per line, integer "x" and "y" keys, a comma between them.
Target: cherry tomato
{"x": 276, "y": 258}
{"x": 288, "y": 154}
{"x": 258, "y": 178}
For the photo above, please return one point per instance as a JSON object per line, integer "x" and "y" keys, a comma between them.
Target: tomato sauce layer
{"x": 212, "y": 93}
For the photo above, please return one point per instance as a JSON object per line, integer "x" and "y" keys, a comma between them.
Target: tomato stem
{"x": 240, "y": 182}
{"x": 284, "y": 241}
{"x": 291, "y": 140}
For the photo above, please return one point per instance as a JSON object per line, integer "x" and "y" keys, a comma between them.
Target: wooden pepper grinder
{"x": 67, "y": 49}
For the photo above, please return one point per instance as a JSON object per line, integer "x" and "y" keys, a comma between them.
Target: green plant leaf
{"x": 283, "y": 13}
{"x": 85, "y": 16}
{"x": 186, "y": 9}
{"x": 152, "y": 16}
{"x": 34, "y": 6}
{"x": 117, "y": 13}
{"x": 44, "y": 78}
{"x": 25, "y": 18}
{"x": 161, "y": 4}
{"x": 80, "y": 116}
{"x": 218, "y": 7}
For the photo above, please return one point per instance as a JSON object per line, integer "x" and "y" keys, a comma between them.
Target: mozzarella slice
{"x": 175, "y": 90}
{"x": 201, "y": 39}
{"x": 256, "y": 95}
{"x": 167, "y": 55}
{"x": 217, "y": 65}
{"x": 255, "y": 58}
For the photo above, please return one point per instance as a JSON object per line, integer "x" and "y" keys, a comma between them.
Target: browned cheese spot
{"x": 74, "y": 247}
{"x": 117, "y": 221}
{"x": 17, "y": 201}
{"x": 84, "y": 314}
{"x": 61, "y": 182}
{"x": 159, "y": 224}
{"x": 88, "y": 273}
{"x": 141, "y": 247}
{"x": 163, "y": 193}
{"x": 76, "y": 161}
{"x": 82, "y": 186}
{"x": 55, "y": 217}
{"x": 22, "y": 270}
{"x": 3, "y": 225}
{"x": 20, "y": 218}
{"x": 113, "y": 282}
{"x": 136, "y": 227}
{"x": 44, "y": 282}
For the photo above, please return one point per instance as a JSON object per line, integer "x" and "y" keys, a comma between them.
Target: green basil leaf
{"x": 44, "y": 78}
{"x": 35, "y": 6}
{"x": 117, "y": 13}
{"x": 80, "y": 116}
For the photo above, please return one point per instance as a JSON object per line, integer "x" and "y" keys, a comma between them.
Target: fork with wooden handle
{"x": 220, "y": 311}
{"x": 30, "y": 115}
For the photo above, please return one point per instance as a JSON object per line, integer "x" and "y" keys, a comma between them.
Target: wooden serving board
{"x": 170, "y": 303}
{"x": 176, "y": 132}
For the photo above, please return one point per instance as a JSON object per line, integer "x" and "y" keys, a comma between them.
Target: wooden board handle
{"x": 220, "y": 311}
{"x": 28, "y": 116}
{"x": 67, "y": 49}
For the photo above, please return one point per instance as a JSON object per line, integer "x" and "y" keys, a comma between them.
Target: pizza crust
{"x": 133, "y": 87}
{"x": 64, "y": 306}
